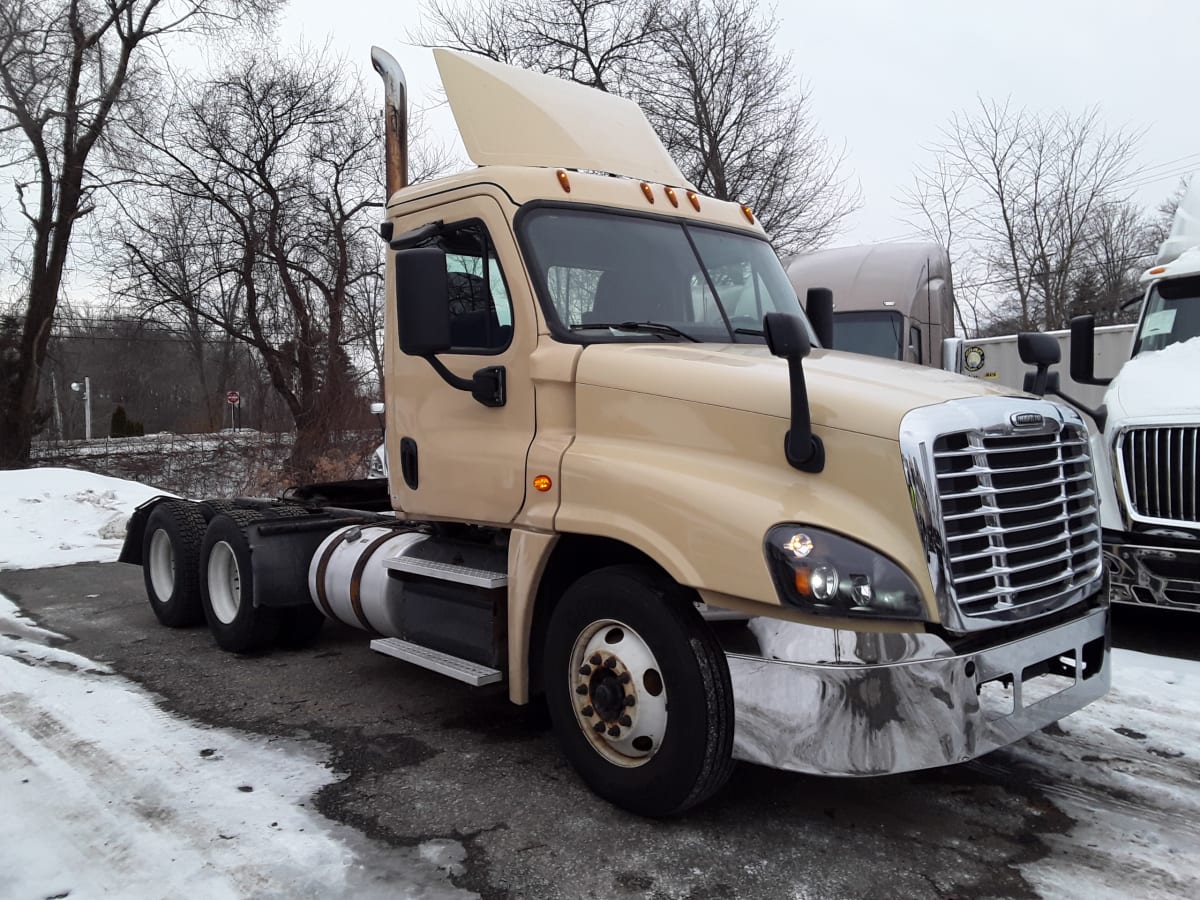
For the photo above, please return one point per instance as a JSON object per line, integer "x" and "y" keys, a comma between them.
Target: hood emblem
{"x": 1026, "y": 420}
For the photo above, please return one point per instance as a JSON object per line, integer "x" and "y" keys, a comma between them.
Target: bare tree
{"x": 722, "y": 98}
{"x": 277, "y": 163}
{"x": 65, "y": 65}
{"x": 1034, "y": 197}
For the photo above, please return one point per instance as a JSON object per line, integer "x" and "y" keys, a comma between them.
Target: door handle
{"x": 408, "y": 461}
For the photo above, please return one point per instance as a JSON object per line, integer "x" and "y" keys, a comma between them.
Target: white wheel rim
{"x": 224, "y": 583}
{"x": 162, "y": 565}
{"x": 618, "y": 693}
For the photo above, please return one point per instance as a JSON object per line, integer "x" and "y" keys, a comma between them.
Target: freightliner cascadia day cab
{"x": 1148, "y": 442}
{"x": 698, "y": 534}
{"x": 892, "y": 300}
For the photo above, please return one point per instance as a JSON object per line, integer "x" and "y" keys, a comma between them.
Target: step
{"x": 443, "y": 663}
{"x": 484, "y": 578}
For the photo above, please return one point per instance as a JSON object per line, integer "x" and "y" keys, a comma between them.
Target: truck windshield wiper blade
{"x": 757, "y": 332}
{"x": 661, "y": 327}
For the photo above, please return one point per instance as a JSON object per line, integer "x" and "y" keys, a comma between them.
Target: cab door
{"x": 449, "y": 455}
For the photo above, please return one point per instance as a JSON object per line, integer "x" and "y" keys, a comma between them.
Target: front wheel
{"x": 227, "y": 586}
{"x": 639, "y": 691}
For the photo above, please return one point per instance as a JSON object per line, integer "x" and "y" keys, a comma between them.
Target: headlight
{"x": 821, "y": 572}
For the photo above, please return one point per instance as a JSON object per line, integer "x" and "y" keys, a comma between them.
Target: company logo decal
{"x": 973, "y": 359}
{"x": 1026, "y": 420}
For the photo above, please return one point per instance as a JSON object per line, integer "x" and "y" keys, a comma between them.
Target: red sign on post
{"x": 233, "y": 398}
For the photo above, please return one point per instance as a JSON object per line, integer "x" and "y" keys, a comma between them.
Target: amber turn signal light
{"x": 564, "y": 181}
{"x": 694, "y": 199}
{"x": 542, "y": 483}
{"x": 648, "y": 191}
{"x": 748, "y": 213}
{"x": 670, "y": 192}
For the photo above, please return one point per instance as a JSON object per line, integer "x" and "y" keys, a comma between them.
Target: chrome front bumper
{"x": 1154, "y": 576}
{"x": 844, "y": 703}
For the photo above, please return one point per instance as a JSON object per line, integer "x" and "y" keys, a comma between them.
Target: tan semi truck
{"x": 701, "y": 536}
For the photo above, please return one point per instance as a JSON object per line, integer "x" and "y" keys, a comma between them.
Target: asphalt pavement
{"x": 424, "y": 757}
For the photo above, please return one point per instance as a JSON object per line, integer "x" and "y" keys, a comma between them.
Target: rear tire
{"x": 227, "y": 586}
{"x": 619, "y": 643}
{"x": 171, "y": 562}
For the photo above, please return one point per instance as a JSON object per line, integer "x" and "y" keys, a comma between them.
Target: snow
{"x": 105, "y": 794}
{"x": 1139, "y": 385}
{"x": 54, "y": 517}
{"x": 1126, "y": 770}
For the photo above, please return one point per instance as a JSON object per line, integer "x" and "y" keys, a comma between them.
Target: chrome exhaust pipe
{"x": 395, "y": 118}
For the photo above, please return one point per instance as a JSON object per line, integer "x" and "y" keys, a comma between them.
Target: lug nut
{"x": 582, "y": 689}
{"x": 587, "y": 711}
{"x": 624, "y": 678}
{"x": 610, "y": 663}
{"x": 596, "y": 659}
{"x": 598, "y": 728}
{"x": 630, "y": 700}
{"x": 625, "y": 720}
{"x": 614, "y": 731}
{"x": 585, "y": 670}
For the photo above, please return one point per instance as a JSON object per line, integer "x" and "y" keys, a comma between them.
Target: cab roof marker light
{"x": 748, "y": 213}
{"x": 1157, "y": 270}
{"x": 694, "y": 199}
{"x": 564, "y": 180}
{"x": 670, "y": 192}
{"x": 648, "y": 191}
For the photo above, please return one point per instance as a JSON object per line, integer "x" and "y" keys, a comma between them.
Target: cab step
{"x": 443, "y": 663}
{"x": 444, "y": 571}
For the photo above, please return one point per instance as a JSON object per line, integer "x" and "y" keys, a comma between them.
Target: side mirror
{"x": 818, "y": 305}
{"x": 1083, "y": 351}
{"x": 787, "y": 337}
{"x": 422, "y": 301}
{"x": 377, "y": 408}
{"x": 952, "y": 355}
{"x": 1041, "y": 351}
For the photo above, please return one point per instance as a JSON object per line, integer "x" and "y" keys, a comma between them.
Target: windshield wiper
{"x": 756, "y": 332}
{"x": 653, "y": 327}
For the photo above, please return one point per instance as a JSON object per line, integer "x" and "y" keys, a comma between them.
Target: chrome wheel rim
{"x": 224, "y": 583}
{"x": 618, "y": 693}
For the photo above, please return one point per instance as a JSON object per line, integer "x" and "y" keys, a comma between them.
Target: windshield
{"x": 1172, "y": 314}
{"x": 873, "y": 333}
{"x": 597, "y": 270}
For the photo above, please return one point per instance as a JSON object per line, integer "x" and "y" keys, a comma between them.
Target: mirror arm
{"x": 812, "y": 457}
{"x": 487, "y": 385}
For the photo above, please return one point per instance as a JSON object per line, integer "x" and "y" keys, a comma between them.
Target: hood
{"x": 1158, "y": 385}
{"x": 848, "y": 391}
{"x": 513, "y": 117}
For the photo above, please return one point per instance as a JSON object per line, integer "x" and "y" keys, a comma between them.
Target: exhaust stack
{"x": 395, "y": 119}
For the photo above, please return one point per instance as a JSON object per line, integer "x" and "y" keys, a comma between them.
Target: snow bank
{"x": 105, "y": 794}
{"x": 53, "y": 517}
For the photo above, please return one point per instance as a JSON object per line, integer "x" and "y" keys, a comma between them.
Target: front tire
{"x": 227, "y": 586}
{"x": 621, "y": 642}
{"x": 171, "y": 562}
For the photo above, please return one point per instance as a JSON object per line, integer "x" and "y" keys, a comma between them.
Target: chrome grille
{"x": 1158, "y": 468}
{"x": 1019, "y": 515}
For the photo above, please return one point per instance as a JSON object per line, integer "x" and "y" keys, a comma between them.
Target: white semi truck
{"x": 1148, "y": 445}
{"x": 623, "y": 474}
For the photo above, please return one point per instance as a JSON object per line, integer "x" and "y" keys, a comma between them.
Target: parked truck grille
{"x": 1019, "y": 514}
{"x": 1158, "y": 467}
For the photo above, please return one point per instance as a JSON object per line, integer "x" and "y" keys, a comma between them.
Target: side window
{"x": 480, "y": 308}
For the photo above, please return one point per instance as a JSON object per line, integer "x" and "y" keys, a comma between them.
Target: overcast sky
{"x": 886, "y": 76}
